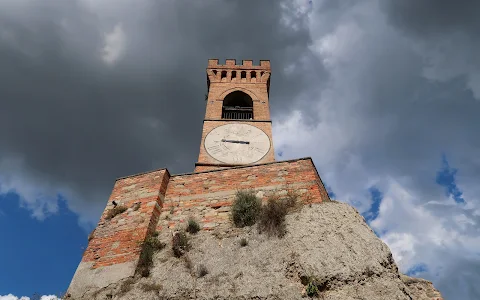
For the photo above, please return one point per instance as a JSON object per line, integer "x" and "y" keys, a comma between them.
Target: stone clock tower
{"x": 237, "y": 129}
{"x": 236, "y": 152}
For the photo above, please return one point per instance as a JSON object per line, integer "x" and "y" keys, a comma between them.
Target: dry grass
{"x": 126, "y": 287}
{"x": 149, "y": 247}
{"x": 243, "y": 242}
{"x": 193, "y": 226}
{"x": 151, "y": 287}
{"x": 201, "y": 271}
{"x": 272, "y": 216}
{"x": 180, "y": 244}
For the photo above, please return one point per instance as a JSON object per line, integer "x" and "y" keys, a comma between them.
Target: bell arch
{"x": 237, "y": 105}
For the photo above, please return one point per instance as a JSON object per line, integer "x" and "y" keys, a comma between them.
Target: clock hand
{"x": 236, "y": 142}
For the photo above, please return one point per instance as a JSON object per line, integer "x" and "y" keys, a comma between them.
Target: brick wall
{"x": 158, "y": 201}
{"x": 256, "y": 87}
{"x": 207, "y": 196}
{"x": 117, "y": 240}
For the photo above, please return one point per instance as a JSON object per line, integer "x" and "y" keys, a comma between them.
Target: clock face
{"x": 237, "y": 143}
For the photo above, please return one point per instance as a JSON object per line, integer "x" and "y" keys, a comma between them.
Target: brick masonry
{"x": 158, "y": 201}
{"x": 207, "y": 196}
{"x": 118, "y": 240}
{"x": 225, "y": 79}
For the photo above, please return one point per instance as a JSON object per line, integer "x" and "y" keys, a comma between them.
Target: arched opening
{"x": 224, "y": 74}
{"x": 243, "y": 74}
{"x": 253, "y": 74}
{"x": 237, "y": 105}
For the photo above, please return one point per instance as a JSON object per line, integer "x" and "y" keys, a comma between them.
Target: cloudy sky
{"x": 383, "y": 95}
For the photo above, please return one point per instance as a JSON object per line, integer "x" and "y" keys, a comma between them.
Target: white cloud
{"x": 114, "y": 45}
{"x": 12, "y": 297}
{"x": 35, "y": 194}
{"x": 378, "y": 126}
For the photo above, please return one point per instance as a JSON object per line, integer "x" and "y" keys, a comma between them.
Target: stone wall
{"x": 158, "y": 201}
{"x": 207, "y": 196}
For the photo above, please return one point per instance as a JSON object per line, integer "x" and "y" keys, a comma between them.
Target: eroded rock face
{"x": 327, "y": 244}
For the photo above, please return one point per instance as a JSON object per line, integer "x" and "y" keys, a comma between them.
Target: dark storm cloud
{"x": 434, "y": 17}
{"x": 80, "y": 123}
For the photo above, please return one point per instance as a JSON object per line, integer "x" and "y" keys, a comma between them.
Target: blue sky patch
{"x": 417, "y": 269}
{"x": 330, "y": 192}
{"x": 376, "y": 197}
{"x": 446, "y": 178}
{"x": 38, "y": 256}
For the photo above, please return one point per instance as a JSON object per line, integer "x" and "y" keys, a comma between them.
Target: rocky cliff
{"x": 328, "y": 252}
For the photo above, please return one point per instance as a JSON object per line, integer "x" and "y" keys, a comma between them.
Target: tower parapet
{"x": 246, "y": 64}
{"x": 247, "y": 72}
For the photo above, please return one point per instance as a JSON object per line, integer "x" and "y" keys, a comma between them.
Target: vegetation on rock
{"x": 119, "y": 209}
{"x": 149, "y": 247}
{"x": 245, "y": 209}
{"x": 243, "y": 242}
{"x": 180, "y": 243}
{"x": 193, "y": 226}
{"x": 202, "y": 271}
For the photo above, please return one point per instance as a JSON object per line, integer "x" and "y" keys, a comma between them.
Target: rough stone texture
{"x": 421, "y": 288}
{"x": 329, "y": 241}
{"x": 88, "y": 279}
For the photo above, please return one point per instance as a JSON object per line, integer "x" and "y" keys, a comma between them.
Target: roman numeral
{"x": 260, "y": 150}
{"x": 256, "y": 149}
{"x": 215, "y": 149}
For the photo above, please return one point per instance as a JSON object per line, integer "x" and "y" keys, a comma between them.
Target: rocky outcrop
{"x": 327, "y": 247}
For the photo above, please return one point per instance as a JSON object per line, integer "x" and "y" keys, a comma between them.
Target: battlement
{"x": 230, "y": 72}
{"x": 232, "y": 64}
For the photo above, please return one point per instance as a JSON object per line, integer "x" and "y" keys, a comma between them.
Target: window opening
{"x": 237, "y": 105}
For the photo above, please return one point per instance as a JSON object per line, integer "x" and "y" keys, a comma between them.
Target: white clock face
{"x": 237, "y": 143}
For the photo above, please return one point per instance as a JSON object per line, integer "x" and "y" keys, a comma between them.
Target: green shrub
{"x": 245, "y": 209}
{"x": 192, "y": 227}
{"x": 272, "y": 217}
{"x": 115, "y": 211}
{"x": 180, "y": 244}
{"x": 311, "y": 289}
{"x": 149, "y": 247}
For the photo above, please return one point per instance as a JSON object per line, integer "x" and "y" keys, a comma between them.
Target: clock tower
{"x": 236, "y": 152}
{"x": 237, "y": 129}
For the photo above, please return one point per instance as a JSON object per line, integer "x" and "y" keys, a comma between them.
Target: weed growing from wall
{"x": 245, "y": 209}
{"x": 149, "y": 247}
{"x": 119, "y": 209}
{"x": 193, "y": 226}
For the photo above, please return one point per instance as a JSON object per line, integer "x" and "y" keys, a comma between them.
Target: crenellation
{"x": 247, "y": 64}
